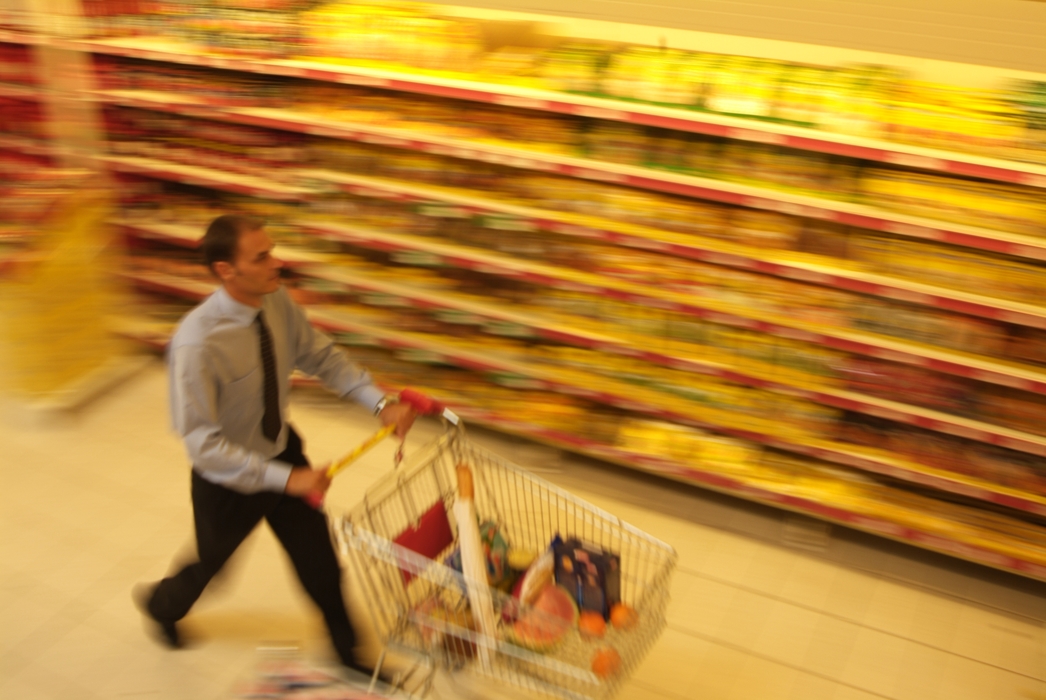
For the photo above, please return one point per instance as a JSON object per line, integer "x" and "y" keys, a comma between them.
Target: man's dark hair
{"x": 223, "y": 235}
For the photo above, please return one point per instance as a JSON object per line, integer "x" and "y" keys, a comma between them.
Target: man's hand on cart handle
{"x": 306, "y": 480}
{"x": 401, "y": 415}
{"x": 395, "y": 417}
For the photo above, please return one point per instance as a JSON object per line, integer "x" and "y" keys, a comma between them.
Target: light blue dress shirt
{"x": 216, "y": 382}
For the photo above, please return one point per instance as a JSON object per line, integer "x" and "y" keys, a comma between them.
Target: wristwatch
{"x": 381, "y": 405}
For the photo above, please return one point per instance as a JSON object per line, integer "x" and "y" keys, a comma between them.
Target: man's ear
{"x": 224, "y": 270}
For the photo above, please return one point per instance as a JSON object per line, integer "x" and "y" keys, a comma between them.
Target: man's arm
{"x": 317, "y": 354}
{"x": 194, "y": 411}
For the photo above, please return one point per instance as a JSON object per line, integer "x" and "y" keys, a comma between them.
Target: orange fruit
{"x": 592, "y": 624}
{"x": 623, "y": 616}
{"x": 606, "y": 662}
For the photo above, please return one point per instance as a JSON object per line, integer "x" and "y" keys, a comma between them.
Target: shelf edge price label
{"x": 521, "y": 162}
{"x": 362, "y": 80}
{"x": 601, "y": 113}
{"x": 913, "y": 231}
{"x": 287, "y": 71}
{"x": 812, "y": 276}
{"x": 1035, "y": 448}
{"x": 1028, "y": 251}
{"x": 912, "y": 160}
{"x": 1022, "y": 319}
{"x": 796, "y": 334}
{"x": 893, "y": 356}
{"x": 521, "y": 102}
{"x": 881, "y": 526}
{"x": 726, "y": 259}
{"x": 574, "y": 230}
{"x": 908, "y": 295}
{"x": 648, "y": 243}
{"x": 887, "y": 414}
{"x": 757, "y": 136}
{"x": 1002, "y": 379}
{"x": 1033, "y": 180}
{"x": 383, "y": 140}
{"x": 601, "y": 175}
{"x": 1036, "y": 570}
{"x": 963, "y": 550}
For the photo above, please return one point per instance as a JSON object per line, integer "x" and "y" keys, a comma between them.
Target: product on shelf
{"x": 990, "y": 463}
{"x": 221, "y": 88}
{"x": 930, "y": 326}
{"x": 401, "y": 33}
{"x": 21, "y": 118}
{"x": 16, "y": 65}
{"x": 257, "y": 30}
{"x": 1008, "y": 208}
{"x": 910, "y": 385}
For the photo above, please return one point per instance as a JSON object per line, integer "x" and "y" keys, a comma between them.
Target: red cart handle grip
{"x": 422, "y": 404}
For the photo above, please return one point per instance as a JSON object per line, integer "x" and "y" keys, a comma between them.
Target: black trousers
{"x": 224, "y": 518}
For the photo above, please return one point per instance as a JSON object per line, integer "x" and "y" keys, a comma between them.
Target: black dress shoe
{"x": 165, "y": 631}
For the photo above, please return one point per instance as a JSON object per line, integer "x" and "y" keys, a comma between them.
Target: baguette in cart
{"x": 469, "y": 563}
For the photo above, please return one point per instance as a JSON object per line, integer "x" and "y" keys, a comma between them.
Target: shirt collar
{"x": 237, "y": 311}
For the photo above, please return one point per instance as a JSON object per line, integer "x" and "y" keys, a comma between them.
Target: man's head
{"x": 239, "y": 253}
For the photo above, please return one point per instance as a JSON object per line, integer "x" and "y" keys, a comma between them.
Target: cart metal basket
{"x": 398, "y": 538}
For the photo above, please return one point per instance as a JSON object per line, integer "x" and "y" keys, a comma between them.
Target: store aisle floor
{"x": 764, "y": 606}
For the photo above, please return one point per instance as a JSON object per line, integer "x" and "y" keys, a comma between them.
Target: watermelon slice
{"x": 543, "y": 625}
{"x": 538, "y": 575}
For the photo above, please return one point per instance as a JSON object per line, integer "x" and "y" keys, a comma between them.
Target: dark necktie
{"x": 271, "y": 419}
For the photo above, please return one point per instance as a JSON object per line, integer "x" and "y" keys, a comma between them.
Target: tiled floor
{"x": 97, "y": 501}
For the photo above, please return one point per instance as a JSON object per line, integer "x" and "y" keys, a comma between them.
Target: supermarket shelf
{"x": 21, "y": 92}
{"x": 187, "y": 236}
{"x": 517, "y": 218}
{"x": 599, "y": 108}
{"x": 141, "y": 330}
{"x": 847, "y": 213}
{"x": 646, "y": 239}
{"x": 28, "y": 146}
{"x": 897, "y": 351}
{"x": 721, "y": 482}
{"x": 429, "y": 253}
{"x": 170, "y": 284}
{"x": 883, "y": 408}
{"x": 27, "y": 38}
{"x": 624, "y": 396}
{"x": 205, "y": 177}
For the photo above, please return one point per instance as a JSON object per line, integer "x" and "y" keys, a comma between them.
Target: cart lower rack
{"x": 402, "y": 539}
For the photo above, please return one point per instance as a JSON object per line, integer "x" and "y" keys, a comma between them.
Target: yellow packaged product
{"x": 801, "y": 94}
{"x": 763, "y": 229}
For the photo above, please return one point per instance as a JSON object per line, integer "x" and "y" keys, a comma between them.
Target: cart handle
{"x": 422, "y": 404}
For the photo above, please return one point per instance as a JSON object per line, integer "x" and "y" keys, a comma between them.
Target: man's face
{"x": 254, "y": 272}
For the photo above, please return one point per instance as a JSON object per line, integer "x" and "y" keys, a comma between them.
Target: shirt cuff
{"x": 369, "y": 396}
{"x": 276, "y": 475}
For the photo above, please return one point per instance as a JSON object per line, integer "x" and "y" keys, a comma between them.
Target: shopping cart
{"x": 401, "y": 538}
